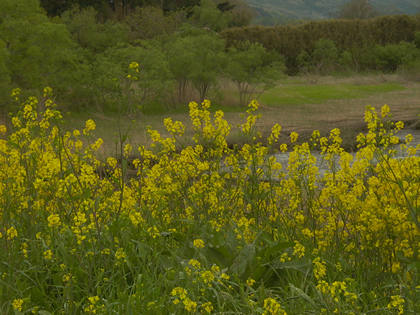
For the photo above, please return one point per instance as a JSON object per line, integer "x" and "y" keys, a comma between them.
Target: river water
{"x": 283, "y": 158}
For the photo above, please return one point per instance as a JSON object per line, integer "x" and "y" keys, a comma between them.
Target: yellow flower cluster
{"x": 94, "y": 307}
{"x": 59, "y": 200}
{"x": 272, "y": 307}
{"x": 397, "y": 303}
{"x": 198, "y": 243}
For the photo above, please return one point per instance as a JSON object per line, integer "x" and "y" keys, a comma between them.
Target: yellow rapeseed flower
{"x": 272, "y": 307}
{"x": 89, "y": 126}
{"x": 48, "y": 254}
{"x": 250, "y": 282}
{"x": 54, "y": 221}
{"x": 293, "y": 136}
{"x": 17, "y": 304}
{"x": 198, "y": 243}
{"x": 11, "y": 233}
{"x": 208, "y": 307}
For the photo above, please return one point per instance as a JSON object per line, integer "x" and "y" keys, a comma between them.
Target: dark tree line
{"x": 120, "y": 8}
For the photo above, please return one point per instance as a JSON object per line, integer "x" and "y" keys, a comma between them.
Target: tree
{"x": 253, "y": 69}
{"x": 209, "y": 60}
{"x": 208, "y": 15}
{"x": 118, "y": 88}
{"x": 4, "y": 73}
{"x": 325, "y": 56}
{"x": 196, "y": 56}
{"x": 151, "y": 22}
{"x": 239, "y": 12}
{"x": 86, "y": 29}
{"x": 40, "y": 52}
{"x": 57, "y": 7}
{"x": 417, "y": 39}
{"x": 357, "y": 9}
{"x": 390, "y": 57}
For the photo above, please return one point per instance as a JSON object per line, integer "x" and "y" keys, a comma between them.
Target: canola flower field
{"x": 206, "y": 228}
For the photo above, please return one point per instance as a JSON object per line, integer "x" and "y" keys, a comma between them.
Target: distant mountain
{"x": 281, "y": 11}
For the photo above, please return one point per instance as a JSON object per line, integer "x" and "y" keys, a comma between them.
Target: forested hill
{"x": 277, "y": 11}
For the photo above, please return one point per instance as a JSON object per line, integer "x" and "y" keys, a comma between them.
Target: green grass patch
{"x": 316, "y": 94}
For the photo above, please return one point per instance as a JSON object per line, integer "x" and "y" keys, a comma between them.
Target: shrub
{"x": 389, "y": 57}
{"x": 324, "y": 56}
{"x": 411, "y": 70}
{"x": 252, "y": 69}
{"x": 417, "y": 39}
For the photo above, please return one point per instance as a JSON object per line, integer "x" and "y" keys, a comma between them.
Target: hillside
{"x": 279, "y": 11}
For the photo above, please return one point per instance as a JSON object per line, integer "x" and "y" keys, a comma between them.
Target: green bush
{"x": 196, "y": 57}
{"x": 417, "y": 39}
{"x": 4, "y": 73}
{"x": 346, "y": 61}
{"x": 325, "y": 56}
{"x": 390, "y": 57}
{"x": 411, "y": 70}
{"x": 38, "y": 52}
{"x": 253, "y": 69}
{"x": 89, "y": 33}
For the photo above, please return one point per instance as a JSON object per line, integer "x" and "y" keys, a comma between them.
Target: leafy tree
{"x": 253, "y": 69}
{"x": 120, "y": 8}
{"x": 208, "y": 15}
{"x": 180, "y": 56}
{"x": 150, "y": 22}
{"x": 208, "y": 63}
{"x": 117, "y": 92}
{"x": 357, "y": 9}
{"x": 40, "y": 52}
{"x": 196, "y": 57}
{"x": 346, "y": 61}
{"x": 85, "y": 28}
{"x": 417, "y": 39}
{"x": 390, "y": 57}
{"x": 304, "y": 61}
{"x": 174, "y": 5}
{"x": 4, "y": 72}
{"x": 239, "y": 12}
{"x": 324, "y": 56}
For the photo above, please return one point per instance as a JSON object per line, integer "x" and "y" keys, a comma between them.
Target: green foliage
{"x": 417, "y": 39}
{"x": 40, "y": 52}
{"x": 207, "y": 15}
{"x": 411, "y": 70}
{"x": 389, "y": 57}
{"x": 219, "y": 14}
{"x": 346, "y": 61}
{"x": 153, "y": 81}
{"x": 111, "y": 86}
{"x": 241, "y": 13}
{"x": 325, "y": 56}
{"x": 303, "y": 61}
{"x": 4, "y": 73}
{"x": 196, "y": 56}
{"x": 352, "y": 35}
{"x": 151, "y": 22}
{"x": 89, "y": 33}
{"x": 253, "y": 69}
